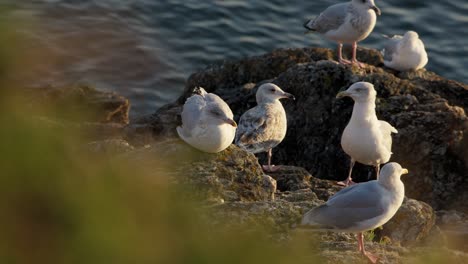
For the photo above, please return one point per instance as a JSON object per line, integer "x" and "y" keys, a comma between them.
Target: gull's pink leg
{"x": 354, "y": 60}
{"x": 377, "y": 170}
{"x": 269, "y": 167}
{"x": 349, "y": 180}
{"x": 371, "y": 257}
{"x": 360, "y": 238}
{"x": 340, "y": 55}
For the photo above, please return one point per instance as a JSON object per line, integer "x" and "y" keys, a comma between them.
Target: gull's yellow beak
{"x": 342, "y": 94}
{"x": 404, "y": 171}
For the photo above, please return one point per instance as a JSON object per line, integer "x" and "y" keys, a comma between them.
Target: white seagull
{"x": 365, "y": 139}
{"x": 361, "y": 207}
{"x": 207, "y": 122}
{"x": 346, "y": 23}
{"x": 404, "y": 53}
{"x": 264, "y": 126}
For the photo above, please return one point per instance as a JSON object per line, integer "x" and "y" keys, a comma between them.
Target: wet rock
{"x": 428, "y": 111}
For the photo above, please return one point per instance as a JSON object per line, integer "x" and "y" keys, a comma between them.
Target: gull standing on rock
{"x": 361, "y": 207}
{"x": 365, "y": 139}
{"x": 404, "y": 53}
{"x": 207, "y": 122}
{"x": 264, "y": 126}
{"x": 346, "y": 23}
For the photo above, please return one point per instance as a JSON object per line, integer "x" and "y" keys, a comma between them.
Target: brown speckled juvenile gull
{"x": 264, "y": 126}
{"x": 346, "y": 23}
{"x": 361, "y": 207}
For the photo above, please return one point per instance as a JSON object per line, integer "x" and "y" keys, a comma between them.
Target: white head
{"x": 411, "y": 35}
{"x": 269, "y": 92}
{"x": 367, "y": 4}
{"x": 391, "y": 173}
{"x": 219, "y": 113}
{"x": 361, "y": 92}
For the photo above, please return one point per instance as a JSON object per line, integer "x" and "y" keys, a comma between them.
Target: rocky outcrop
{"x": 428, "y": 111}
{"x": 234, "y": 192}
{"x": 232, "y": 175}
{"x": 240, "y": 194}
{"x": 93, "y": 106}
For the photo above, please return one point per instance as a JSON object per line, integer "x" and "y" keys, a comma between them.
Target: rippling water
{"x": 145, "y": 49}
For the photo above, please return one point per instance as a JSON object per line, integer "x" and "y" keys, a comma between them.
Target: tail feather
{"x": 310, "y": 227}
{"x": 312, "y": 220}
{"x": 308, "y": 26}
{"x": 181, "y": 133}
{"x": 309, "y": 217}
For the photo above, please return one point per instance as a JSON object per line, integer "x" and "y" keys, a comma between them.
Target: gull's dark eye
{"x": 216, "y": 113}
{"x": 272, "y": 90}
{"x": 364, "y": 1}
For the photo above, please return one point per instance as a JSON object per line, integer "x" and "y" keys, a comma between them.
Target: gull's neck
{"x": 393, "y": 184}
{"x": 262, "y": 101}
{"x": 364, "y": 112}
{"x": 408, "y": 42}
{"x": 357, "y": 8}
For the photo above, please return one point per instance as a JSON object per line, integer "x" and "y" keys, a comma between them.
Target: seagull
{"x": 361, "y": 207}
{"x": 365, "y": 139}
{"x": 346, "y": 23}
{"x": 404, "y": 53}
{"x": 207, "y": 122}
{"x": 263, "y": 127}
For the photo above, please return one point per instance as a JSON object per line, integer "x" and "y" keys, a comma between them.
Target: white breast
{"x": 364, "y": 144}
{"x": 357, "y": 26}
{"x": 212, "y": 139}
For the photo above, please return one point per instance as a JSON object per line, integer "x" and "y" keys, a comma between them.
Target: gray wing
{"x": 251, "y": 125}
{"x": 213, "y": 99}
{"x": 330, "y": 19}
{"x": 348, "y": 207}
{"x": 192, "y": 112}
{"x": 391, "y": 47}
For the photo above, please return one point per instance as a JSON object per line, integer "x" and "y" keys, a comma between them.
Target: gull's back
{"x": 191, "y": 114}
{"x": 330, "y": 19}
{"x": 356, "y": 208}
